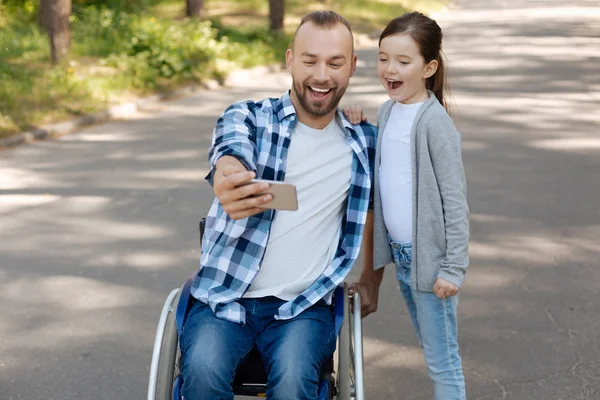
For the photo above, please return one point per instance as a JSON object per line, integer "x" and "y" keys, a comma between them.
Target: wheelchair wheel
{"x": 349, "y": 377}
{"x": 164, "y": 357}
{"x": 343, "y": 368}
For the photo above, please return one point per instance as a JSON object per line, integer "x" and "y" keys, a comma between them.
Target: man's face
{"x": 322, "y": 62}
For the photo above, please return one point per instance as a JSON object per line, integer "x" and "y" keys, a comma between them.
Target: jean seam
{"x": 446, "y": 331}
{"x": 239, "y": 362}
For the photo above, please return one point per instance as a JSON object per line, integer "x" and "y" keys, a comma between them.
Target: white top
{"x": 302, "y": 243}
{"x": 395, "y": 172}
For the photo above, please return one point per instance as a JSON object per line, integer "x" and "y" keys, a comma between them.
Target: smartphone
{"x": 284, "y": 195}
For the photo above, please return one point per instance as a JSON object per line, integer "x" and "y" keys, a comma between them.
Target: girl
{"x": 420, "y": 214}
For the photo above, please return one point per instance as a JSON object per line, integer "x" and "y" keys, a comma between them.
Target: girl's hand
{"x": 443, "y": 289}
{"x": 355, "y": 114}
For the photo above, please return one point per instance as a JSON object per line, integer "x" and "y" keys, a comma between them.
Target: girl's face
{"x": 402, "y": 69}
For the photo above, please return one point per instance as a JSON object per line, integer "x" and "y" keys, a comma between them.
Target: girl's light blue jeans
{"x": 435, "y": 324}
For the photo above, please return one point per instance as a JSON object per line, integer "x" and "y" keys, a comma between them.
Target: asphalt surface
{"x": 97, "y": 228}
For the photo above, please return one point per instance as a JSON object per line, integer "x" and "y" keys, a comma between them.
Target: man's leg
{"x": 212, "y": 349}
{"x": 295, "y": 350}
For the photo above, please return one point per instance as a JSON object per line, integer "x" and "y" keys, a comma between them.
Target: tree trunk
{"x": 276, "y": 13}
{"x": 195, "y": 8}
{"x": 54, "y": 18}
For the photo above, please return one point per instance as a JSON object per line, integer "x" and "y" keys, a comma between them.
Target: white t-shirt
{"x": 303, "y": 243}
{"x": 395, "y": 172}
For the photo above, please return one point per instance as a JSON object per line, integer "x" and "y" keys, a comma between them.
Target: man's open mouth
{"x": 319, "y": 93}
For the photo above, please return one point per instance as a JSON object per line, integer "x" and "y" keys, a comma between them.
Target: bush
{"x": 113, "y": 52}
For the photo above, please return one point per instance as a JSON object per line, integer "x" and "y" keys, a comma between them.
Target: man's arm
{"x": 233, "y": 159}
{"x": 370, "y": 279}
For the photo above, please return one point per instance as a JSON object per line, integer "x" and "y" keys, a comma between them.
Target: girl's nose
{"x": 391, "y": 68}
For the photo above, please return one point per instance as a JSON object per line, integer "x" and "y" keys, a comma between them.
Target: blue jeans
{"x": 293, "y": 350}
{"x": 435, "y": 324}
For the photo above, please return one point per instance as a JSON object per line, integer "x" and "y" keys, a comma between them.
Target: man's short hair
{"x": 324, "y": 20}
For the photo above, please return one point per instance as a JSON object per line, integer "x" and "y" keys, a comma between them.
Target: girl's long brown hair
{"x": 428, "y": 35}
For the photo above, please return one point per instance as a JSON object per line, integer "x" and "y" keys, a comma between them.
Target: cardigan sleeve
{"x": 446, "y": 155}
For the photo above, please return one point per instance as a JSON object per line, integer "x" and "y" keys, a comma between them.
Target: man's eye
{"x": 309, "y": 62}
{"x": 336, "y": 65}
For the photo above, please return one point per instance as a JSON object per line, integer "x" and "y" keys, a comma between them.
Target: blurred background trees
{"x": 195, "y": 8}
{"x": 54, "y": 18}
{"x": 276, "y": 15}
{"x": 64, "y": 58}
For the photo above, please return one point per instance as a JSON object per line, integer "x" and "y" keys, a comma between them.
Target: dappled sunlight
{"x": 530, "y": 250}
{"x": 98, "y": 227}
{"x": 74, "y": 231}
{"x": 147, "y": 260}
{"x": 167, "y": 155}
{"x": 73, "y": 293}
{"x": 104, "y": 137}
{"x": 490, "y": 280}
{"x": 382, "y": 354}
{"x": 59, "y": 312}
{"x": 177, "y": 174}
{"x": 12, "y": 203}
{"x": 570, "y": 145}
{"x": 560, "y": 12}
{"x": 17, "y": 178}
{"x": 474, "y": 145}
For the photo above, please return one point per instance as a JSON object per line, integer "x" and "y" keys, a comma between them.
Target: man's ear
{"x": 289, "y": 58}
{"x": 354, "y": 59}
{"x": 430, "y": 69}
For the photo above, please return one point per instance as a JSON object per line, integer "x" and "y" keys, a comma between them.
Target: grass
{"x": 144, "y": 47}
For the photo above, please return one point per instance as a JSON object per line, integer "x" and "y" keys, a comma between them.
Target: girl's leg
{"x": 402, "y": 254}
{"x": 439, "y": 334}
{"x": 403, "y": 275}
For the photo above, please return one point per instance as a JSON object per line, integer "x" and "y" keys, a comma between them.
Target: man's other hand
{"x": 369, "y": 295}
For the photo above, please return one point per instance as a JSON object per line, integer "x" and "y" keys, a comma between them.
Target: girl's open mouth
{"x": 393, "y": 85}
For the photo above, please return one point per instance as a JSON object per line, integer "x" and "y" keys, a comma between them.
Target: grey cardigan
{"x": 440, "y": 213}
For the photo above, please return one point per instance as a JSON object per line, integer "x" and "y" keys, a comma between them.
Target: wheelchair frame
{"x": 164, "y": 380}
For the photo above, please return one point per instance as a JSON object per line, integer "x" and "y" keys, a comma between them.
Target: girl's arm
{"x": 354, "y": 114}
{"x": 446, "y": 154}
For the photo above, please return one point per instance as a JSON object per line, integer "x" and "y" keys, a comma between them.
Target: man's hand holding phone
{"x": 238, "y": 197}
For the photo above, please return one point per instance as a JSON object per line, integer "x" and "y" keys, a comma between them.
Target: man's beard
{"x": 318, "y": 108}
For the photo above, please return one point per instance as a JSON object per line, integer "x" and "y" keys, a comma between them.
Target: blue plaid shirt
{"x": 259, "y": 134}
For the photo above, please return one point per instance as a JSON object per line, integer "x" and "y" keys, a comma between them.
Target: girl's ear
{"x": 430, "y": 69}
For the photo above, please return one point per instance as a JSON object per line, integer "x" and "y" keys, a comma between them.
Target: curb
{"x": 129, "y": 109}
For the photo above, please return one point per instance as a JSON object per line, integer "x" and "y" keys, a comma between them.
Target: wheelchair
{"x": 341, "y": 378}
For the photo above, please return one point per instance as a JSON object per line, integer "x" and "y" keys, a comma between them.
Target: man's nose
{"x": 321, "y": 73}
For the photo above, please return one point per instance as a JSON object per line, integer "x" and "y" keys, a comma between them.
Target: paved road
{"x": 95, "y": 229}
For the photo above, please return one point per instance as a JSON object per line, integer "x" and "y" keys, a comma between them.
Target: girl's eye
{"x": 404, "y": 62}
{"x": 382, "y": 59}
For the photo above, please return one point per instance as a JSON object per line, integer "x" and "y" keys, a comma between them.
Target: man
{"x": 267, "y": 277}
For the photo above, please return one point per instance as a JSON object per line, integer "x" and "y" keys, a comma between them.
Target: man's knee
{"x": 298, "y": 380}
{"x": 211, "y": 348}
{"x": 205, "y": 371}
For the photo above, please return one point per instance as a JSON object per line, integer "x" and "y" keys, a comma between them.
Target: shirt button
{"x": 293, "y": 118}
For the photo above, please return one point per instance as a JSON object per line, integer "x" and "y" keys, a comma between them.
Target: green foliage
{"x": 122, "y": 48}
{"x": 114, "y": 51}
